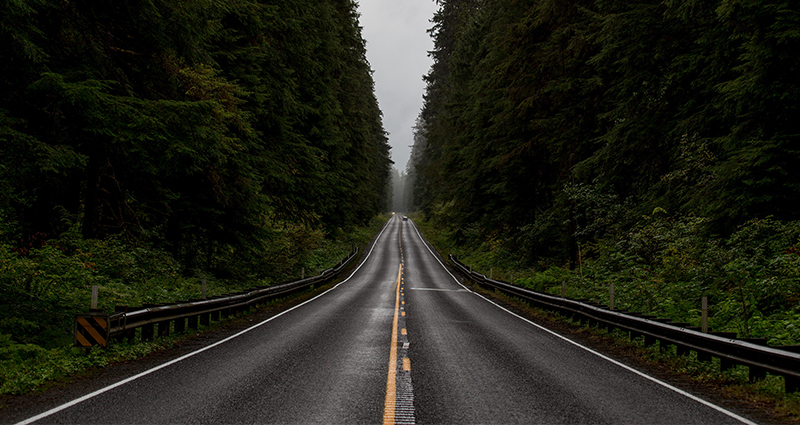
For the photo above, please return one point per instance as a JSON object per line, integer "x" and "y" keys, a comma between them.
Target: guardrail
{"x": 96, "y": 327}
{"x": 753, "y": 353}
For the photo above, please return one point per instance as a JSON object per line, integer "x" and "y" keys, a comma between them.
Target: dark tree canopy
{"x": 194, "y": 125}
{"x": 539, "y": 112}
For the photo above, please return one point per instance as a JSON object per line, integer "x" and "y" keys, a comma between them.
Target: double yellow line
{"x": 389, "y": 404}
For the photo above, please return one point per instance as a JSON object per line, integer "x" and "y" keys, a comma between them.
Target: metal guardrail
{"x": 753, "y": 353}
{"x": 162, "y": 319}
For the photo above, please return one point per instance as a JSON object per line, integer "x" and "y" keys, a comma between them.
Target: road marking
{"x": 403, "y": 331}
{"x": 439, "y": 289}
{"x": 602, "y": 356}
{"x": 389, "y": 405}
{"x": 186, "y": 356}
{"x": 406, "y": 364}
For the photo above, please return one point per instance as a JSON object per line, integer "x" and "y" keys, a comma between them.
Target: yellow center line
{"x": 391, "y": 380}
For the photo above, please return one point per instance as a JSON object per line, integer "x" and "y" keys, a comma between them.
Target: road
{"x": 398, "y": 341}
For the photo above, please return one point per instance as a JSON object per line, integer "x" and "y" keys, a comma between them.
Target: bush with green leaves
{"x": 663, "y": 265}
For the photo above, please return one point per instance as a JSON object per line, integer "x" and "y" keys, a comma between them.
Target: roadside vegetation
{"x": 648, "y": 144}
{"x": 662, "y": 267}
{"x": 146, "y": 146}
{"x": 43, "y": 287}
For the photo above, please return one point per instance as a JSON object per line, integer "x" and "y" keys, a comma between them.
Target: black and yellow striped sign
{"x": 91, "y": 329}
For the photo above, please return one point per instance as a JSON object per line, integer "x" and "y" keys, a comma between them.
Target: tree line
{"x": 199, "y": 127}
{"x": 550, "y": 124}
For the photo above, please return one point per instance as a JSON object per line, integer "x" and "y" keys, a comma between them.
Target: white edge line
{"x": 186, "y": 356}
{"x": 602, "y": 356}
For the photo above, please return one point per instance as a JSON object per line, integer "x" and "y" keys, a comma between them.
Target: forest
{"x": 145, "y": 145}
{"x": 649, "y": 143}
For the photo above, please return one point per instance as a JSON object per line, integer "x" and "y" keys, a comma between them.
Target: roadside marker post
{"x": 611, "y": 297}
{"x": 95, "y": 292}
{"x": 704, "y": 315}
{"x": 91, "y": 329}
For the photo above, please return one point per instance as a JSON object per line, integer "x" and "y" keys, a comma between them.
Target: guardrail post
{"x": 180, "y": 325}
{"x": 164, "y": 328}
{"x": 754, "y": 373}
{"x": 791, "y": 384}
{"x": 95, "y": 290}
{"x": 611, "y": 296}
{"x": 704, "y": 317}
{"x": 193, "y": 322}
{"x": 147, "y": 332}
{"x": 205, "y": 319}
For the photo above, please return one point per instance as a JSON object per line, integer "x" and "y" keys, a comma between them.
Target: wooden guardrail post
{"x": 192, "y": 321}
{"x": 704, "y": 315}
{"x": 611, "y": 296}
{"x": 148, "y": 330}
{"x": 164, "y": 328}
{"x": 180, "y": 325}
{"x": 95, "y": 291}
{"x": 755, "y": 374}
{"x": 791, "y": 384}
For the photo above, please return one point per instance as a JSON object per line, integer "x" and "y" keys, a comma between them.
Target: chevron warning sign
{"x": 91, "y": 329}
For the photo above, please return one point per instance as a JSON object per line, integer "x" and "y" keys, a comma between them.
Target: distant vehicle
{"x": 405, "y": 218}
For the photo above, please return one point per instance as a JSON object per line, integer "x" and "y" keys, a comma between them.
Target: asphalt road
{"x": 399, "y": 341}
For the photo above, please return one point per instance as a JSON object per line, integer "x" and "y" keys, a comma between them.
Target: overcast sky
{"x": 397, "y": 50}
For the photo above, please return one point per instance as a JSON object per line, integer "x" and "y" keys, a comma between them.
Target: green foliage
{"x": 26, "y": 367}
{"x": 41, "y": 288}
{"x": 145, "y": 146}
{"x": 663, "y": 266}
{"x": 678, "y": 104}
{"x": 646, "y": 144}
